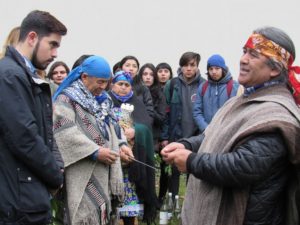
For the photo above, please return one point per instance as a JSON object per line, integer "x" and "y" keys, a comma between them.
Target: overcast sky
{"x": 158, "y": 30}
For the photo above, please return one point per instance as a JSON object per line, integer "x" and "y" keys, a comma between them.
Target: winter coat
{"x": 267, "y": 175}
{"x": 28, "y": 168}
{"x": 215, "y": 96}
{"x": 144, "y": 95}
{"x": 160, "y": 105}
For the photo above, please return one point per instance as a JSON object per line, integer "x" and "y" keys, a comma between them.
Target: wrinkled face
{"x": 94, "y": 84}
{"x": 254, "y": 69}
{"x": 189, "y": 70}
{"x": 215, "y": 73}
{"x": 121, "y": 88}
{"x": 148, "y": 77}
{"x": 131, "y": 66}
{"x": 163, "y": 75}
{"x": 45, "y": 51}
{"x": 59, "y": 74}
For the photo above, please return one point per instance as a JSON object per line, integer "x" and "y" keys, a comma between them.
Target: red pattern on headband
{"x": 277, "y": 53}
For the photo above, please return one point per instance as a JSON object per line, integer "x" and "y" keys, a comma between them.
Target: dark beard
{"x": 35, "y": 62}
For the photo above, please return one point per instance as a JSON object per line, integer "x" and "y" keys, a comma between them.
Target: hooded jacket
{"x": 180, "y": 100}
{"x": 215, "y": 96}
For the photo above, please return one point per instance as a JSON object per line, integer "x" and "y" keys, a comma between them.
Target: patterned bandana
{"x": 277, "y": 53}
{"x": 100, "y": 107}
{"x": 122, "y": 76}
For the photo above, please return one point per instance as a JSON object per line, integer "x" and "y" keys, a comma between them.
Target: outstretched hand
{"x": 175, "y": 153}
{"x": 165, "y": 152}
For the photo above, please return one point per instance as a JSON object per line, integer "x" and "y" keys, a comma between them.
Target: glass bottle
{"x": 163, "y": 213}
{"x": 170, "y": 206}
{"x": 177, "y": 209}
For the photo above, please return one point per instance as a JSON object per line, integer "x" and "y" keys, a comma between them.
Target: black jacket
{"x": 28, "y": 167}
{"x": 160, "y": 106}
{"x": 260, "y": 164}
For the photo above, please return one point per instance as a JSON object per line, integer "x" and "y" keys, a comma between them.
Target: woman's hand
{"x": 107, "y": 156}
{"x": 126, "y": 154}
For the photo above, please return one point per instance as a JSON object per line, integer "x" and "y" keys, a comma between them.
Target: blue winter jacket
{"x": 215, "y": 96}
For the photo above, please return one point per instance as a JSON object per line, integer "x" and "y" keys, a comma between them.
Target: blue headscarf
{"x": 94, "y": 66}
{"x": 122, "y": 75}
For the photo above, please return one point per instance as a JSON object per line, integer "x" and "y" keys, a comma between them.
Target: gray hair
{"x": 281, "y": 38}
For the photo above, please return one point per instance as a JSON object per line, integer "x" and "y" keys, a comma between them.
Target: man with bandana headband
{"x": 246, "y": 170}
{"x": 30, "y": 164}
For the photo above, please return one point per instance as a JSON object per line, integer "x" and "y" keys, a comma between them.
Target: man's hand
{"x": 126, "y": 154}
{"x": 179, "y": 158}
{"x": 107, "y": 156}
{"x": 168, "y": 149}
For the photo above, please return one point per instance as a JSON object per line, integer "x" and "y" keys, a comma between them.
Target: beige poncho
{"x": 267, "y": 110}
{"x": 77, "y": 137}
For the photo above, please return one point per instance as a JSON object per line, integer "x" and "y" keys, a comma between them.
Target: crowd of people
{"x": 77, "y": 145}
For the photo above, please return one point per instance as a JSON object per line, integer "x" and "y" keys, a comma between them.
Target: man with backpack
{"x": 213, "y": 93}
{"x": 180, "y": 95}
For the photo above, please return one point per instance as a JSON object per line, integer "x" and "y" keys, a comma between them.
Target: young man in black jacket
{"x": 246, "y": 170}
{"x": 30, "y": 164}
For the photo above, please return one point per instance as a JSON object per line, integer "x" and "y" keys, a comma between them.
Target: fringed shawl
{"x": 267, "y": 110}
{"x": 78, "y": 136}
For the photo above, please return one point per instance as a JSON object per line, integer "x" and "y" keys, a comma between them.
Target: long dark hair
{"x": 155, "y": 87}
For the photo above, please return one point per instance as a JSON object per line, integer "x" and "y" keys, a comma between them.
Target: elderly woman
{"x": 90, "y": 141}
{"x": 139, "y": 179}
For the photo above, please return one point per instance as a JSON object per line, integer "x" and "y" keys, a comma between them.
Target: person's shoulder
{"x": 8, "y": 64}
{"x": 12, "y": 71}
{"x": 63, "y": 99}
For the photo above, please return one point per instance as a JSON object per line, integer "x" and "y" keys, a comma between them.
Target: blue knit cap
{"x": 94, "y": 66}
{"x": 216, "y": 60}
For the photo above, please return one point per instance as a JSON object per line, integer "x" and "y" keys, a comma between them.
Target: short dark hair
{"x": 53, "y": 67}
{"x": 187, "y": 57}
{"x": 43, "y": 23}
{"x": 165, "y": 65}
